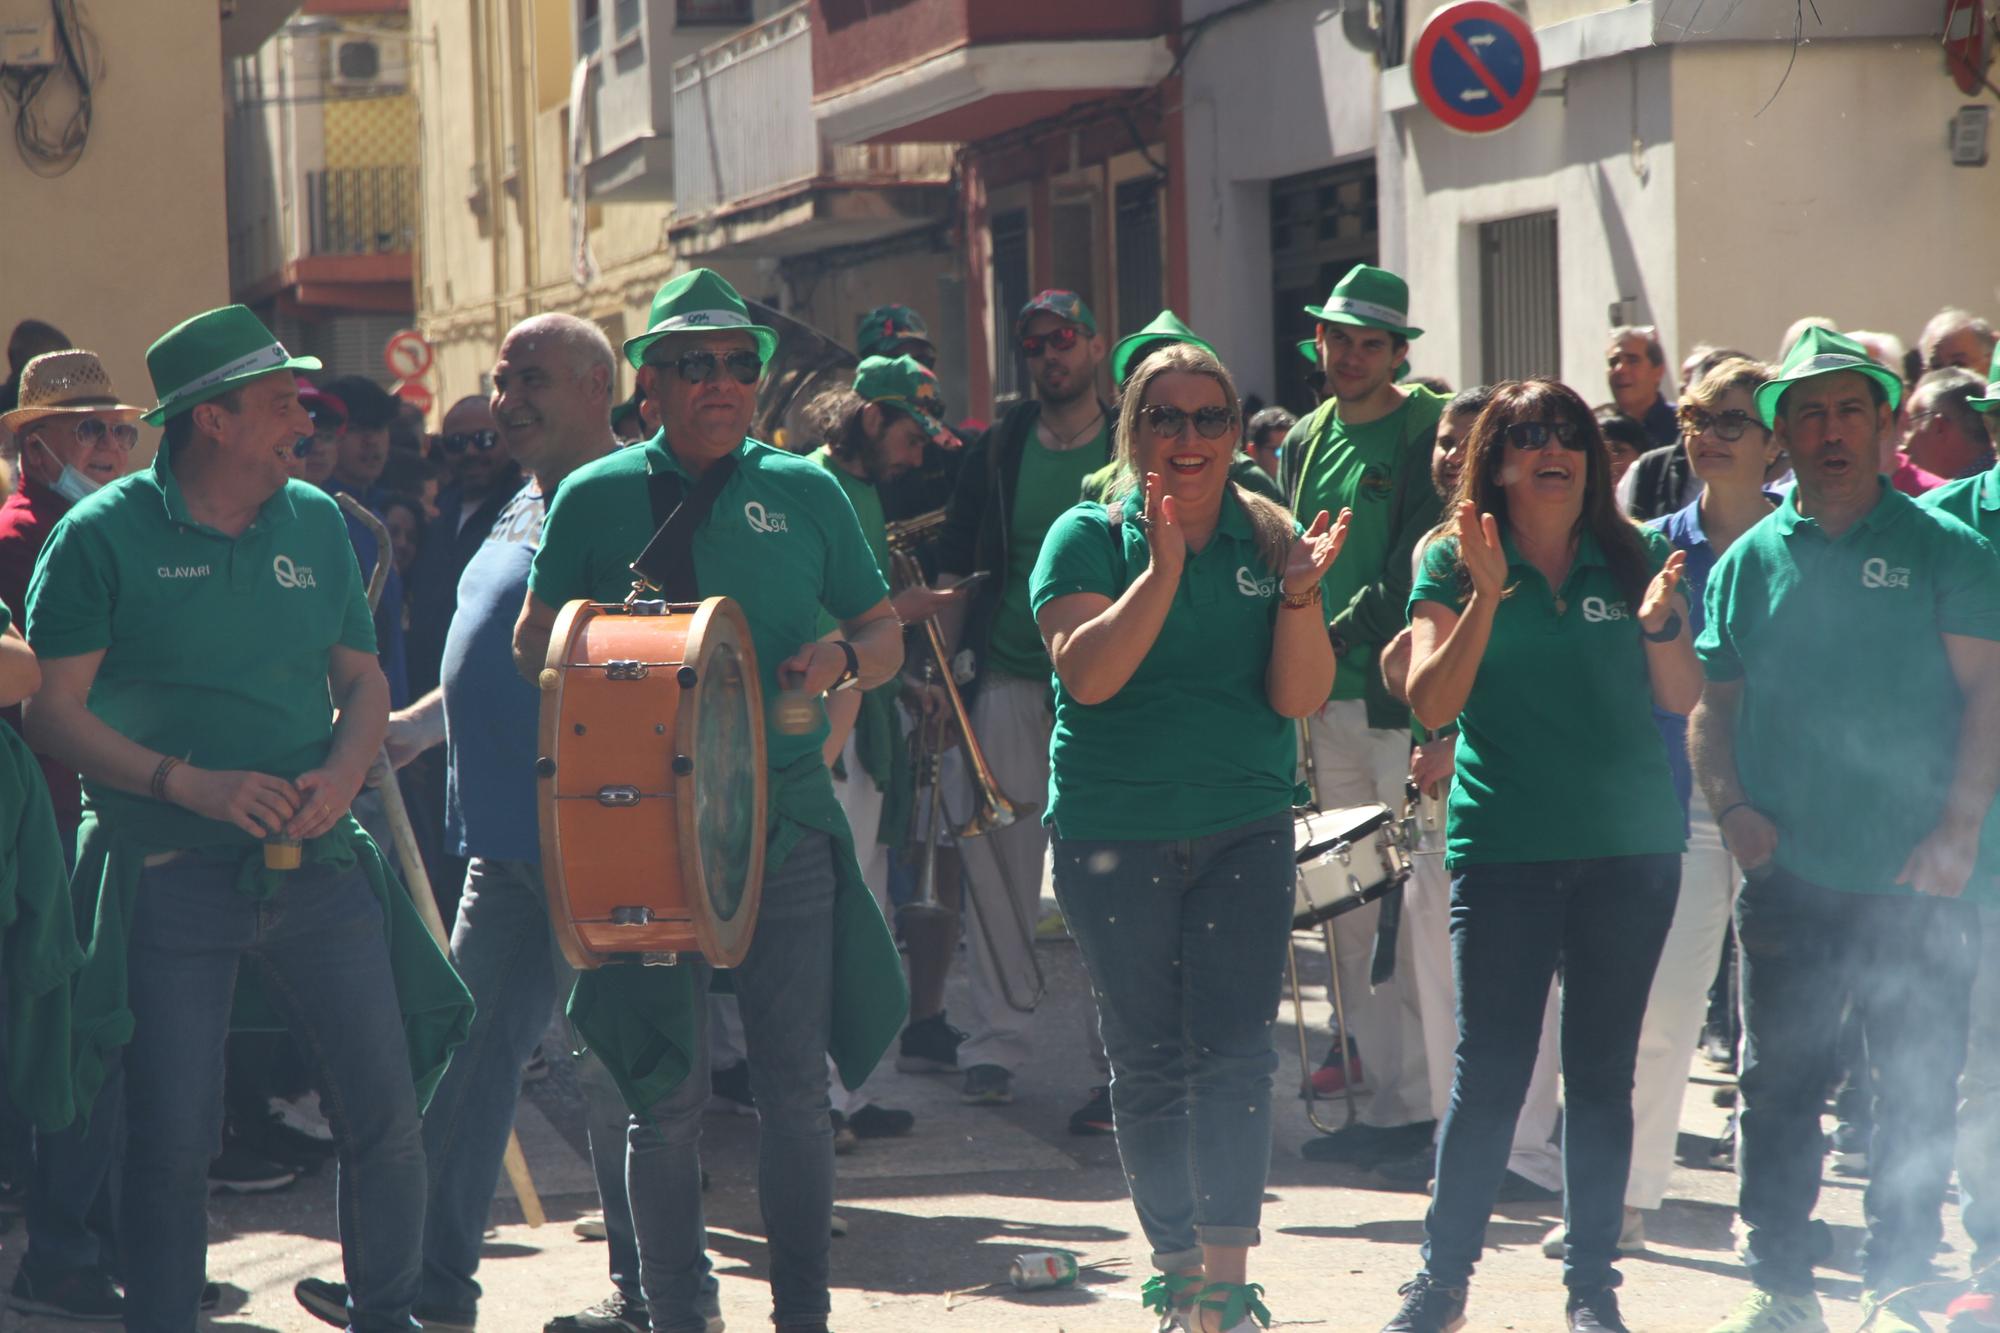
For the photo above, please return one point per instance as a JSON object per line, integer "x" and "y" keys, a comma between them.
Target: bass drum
{"x": 651, "y": 782}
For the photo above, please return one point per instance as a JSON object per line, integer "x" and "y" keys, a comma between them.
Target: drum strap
{"x": 668, "y": 560}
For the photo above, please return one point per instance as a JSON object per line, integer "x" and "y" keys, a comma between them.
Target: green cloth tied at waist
{"x": 436, "y": 1007}
{"x": 38, "y": 942}
{"x": 640, "y": 1020}
{"x": 885, "y": 756}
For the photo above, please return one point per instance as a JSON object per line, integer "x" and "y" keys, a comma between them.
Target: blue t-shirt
{"x": 1683, "y": 529}
{"x": 490, "y": 713}
{"x": 389, "y": 614}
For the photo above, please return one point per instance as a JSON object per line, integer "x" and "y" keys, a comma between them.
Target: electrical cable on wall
{"x": 49, "y": 148}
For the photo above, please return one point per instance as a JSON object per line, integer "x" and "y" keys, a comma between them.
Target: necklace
{"x": 1066, "y": 441}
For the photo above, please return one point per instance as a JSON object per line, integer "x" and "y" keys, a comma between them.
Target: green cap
{"x": 1165, "y": 330}
{"x": 1371, "y": 297}
{"x": 906, "y": 385}
{"x": 698, "y": 302}
{"x": 1824, "y": 352}
{"x": 207, "y": 356}
{"x": 1061, "y": 304}
{"x": 1991, "y": 401}
{"x": 879, "y": 331}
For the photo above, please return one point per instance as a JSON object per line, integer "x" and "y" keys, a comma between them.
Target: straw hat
{"x": 69, "y": 382}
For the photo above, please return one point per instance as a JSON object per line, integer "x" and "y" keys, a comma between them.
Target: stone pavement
{"x": 935, "y": 1218}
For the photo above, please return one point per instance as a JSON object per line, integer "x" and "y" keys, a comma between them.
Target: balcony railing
{"x": 361, "y": 211}
{"x": 745, "y": 131}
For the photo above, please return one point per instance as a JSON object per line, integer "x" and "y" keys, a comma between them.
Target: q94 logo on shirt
{"x": 1250, "y": 585}
{"x": 762, "y": 520}
{"x": 1596, "y": 610}
{"x": 290, "y": 575}
{"x": 1878, "y": 573}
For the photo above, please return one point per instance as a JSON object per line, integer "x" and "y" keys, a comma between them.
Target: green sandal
{"x": 1171, "y": 1296}
{"x": 1241, "y": 1305}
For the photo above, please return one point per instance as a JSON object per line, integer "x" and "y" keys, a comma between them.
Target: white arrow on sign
{"x": 1475, "y": 95}
{"x": 1481, "y": 39}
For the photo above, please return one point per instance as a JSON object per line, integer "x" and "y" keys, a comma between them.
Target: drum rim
{"x": 723, "y": 943}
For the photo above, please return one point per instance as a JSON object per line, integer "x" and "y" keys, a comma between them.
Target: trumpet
{"x": 992, "y": 809}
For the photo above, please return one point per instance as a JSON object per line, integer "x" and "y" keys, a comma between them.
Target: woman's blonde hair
{"x": 1738, "y": 372}
{"x": 1269, "y": 520}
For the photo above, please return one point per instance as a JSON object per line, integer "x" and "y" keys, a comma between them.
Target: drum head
{"x": 721, "y": 802}
{"x": 1314, "y": 831}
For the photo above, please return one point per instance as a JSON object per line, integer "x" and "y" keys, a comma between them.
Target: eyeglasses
{"x": 1059, "y": 339}
{"x": 484, "y": 441}
{"x": 1529, "y": 436}
{"x": 1212, "y": 423}
{"x": 700, "y": 367}
{"x": 93, "y": 431}
{"x": 1728, "y": 426}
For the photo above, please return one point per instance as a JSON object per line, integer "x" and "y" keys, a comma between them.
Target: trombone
{"x": 991, "y": 809}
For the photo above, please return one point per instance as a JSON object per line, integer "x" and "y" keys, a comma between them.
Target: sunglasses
{"x": 1170, "y": 423}
{"x": 1059, "y": 339}
{"x": 458, "y": 441}
{"x": 701, "y": 367}
{"x": 1728, "y": 426}
{"x": 93, "y": 431}
{"x": 1529, "y": 436}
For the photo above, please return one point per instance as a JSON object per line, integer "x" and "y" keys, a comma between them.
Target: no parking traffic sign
{"x": 1477, "y": 66}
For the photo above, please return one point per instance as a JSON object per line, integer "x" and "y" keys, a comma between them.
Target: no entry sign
{"x": 1477, "y": 66}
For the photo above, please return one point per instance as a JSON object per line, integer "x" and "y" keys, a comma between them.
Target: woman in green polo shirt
{"x": 1548, "y": 625}
{"x": 1184, "y": 628}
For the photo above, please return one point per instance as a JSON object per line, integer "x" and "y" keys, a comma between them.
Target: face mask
{"x": 71, "y": 485}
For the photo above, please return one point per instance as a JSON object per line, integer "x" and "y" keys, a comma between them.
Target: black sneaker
{"x": 1427, "y": 1308}
{"x": 1517, "y": 1188}
{"x": 929, "y": 1047}
{"x": 85, "y": 1295}
{"x": 1594, "y": 1311}
{"x": 271, "y": 1139}
{"x": 987, "y": 1085}
{"x": 237, "y": 1170}
{"x": 881, "y": 1122}
{"x": 616, "y": 1313}
{"x": 1367, "y": 1146}
{"x": 729, "y": 1090}
{"x": 327, "y": 1301}
{"x": 1411, "y": 1174}
{"x": 211, "y": 1297}
{"x": 1094, "y": 1116}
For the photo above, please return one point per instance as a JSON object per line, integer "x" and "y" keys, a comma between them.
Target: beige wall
{"x": 134, "y": 239}
{"x": 1840, "y": 200}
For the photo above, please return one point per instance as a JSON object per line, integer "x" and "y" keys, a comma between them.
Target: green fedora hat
{"x": 1991, "y": 402}
{"x": 698, "y": 302}
{"x": 1371, "y": 297}
{"x": 905, "y": 384}
{"x": 1165, "y": 329}
{"x": 1824, "y": 352}
{"x": 207, "y": 356}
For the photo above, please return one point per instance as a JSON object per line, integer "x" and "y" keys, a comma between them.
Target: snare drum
{"x": 1346, "y": 859}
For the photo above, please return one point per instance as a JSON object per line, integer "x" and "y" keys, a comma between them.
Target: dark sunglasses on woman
{"x": 1171, "y": 422}
{"x": 1528, "y": 436}
{"x": 1059, "y": 339}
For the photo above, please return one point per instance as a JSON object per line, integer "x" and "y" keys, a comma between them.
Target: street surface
{"x": 935, "y": 1218}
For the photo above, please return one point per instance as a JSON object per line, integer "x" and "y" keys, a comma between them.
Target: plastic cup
{"x": 281, "y": 853}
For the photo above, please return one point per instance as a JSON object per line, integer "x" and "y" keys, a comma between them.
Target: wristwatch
{"x": 852, "y": 671}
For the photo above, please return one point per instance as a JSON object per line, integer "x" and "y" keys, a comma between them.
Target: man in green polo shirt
{"x": 1848, "y": 739}
{"x": 1015, "y": 481}
{"x": 782, "y": 540}
{"x": 1367, "y": 448}
{"x": 209, "y": 668}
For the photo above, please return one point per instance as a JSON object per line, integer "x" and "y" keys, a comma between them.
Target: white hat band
{"x": 1347, "y": 305}
{"x": 701, "y": 319}
{"x": 264, "y": 358}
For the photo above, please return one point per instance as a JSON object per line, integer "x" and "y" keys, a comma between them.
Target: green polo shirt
{"x": 1849, "y": 728}
{"x": 1558, "y": 755}
{"x": 867, "y": 502}
{"x": 1367, "y": 469}
{"x": 782, "y": 541}
{"x": 1190, "y": 745}
{"x": 1047, "y": 485}
{"x": 215, "y": 647}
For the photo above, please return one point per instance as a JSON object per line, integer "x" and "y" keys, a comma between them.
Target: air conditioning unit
{"x": 363, "y": 65}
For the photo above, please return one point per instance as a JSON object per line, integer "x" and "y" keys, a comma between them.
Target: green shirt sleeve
{"x": 1080, "y": 554}
{"x": 560, "y": 573}
{"x": 70, "y": 595}
{"x": 1716, "y": 644}
{"x": 1379, "y": 610}
{"x": 1968, "y": 586}
{"x": 851, "y": 582}
{"x": 1437, "y": 576}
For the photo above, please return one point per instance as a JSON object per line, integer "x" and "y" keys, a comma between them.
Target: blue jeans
{"x": 319, "y": 950}
{"x": 1600, "y": 924}
{"x": 504, "y": 953}
{"x": 1905, "y": 965}
{"x": 71, "y": 1199}
{"x": 784, "y": 987}
{"x": 1185, "y": 945}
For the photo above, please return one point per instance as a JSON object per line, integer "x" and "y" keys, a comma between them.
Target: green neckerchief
{"x": 640, "y": 1020}
{"x": 39, "y": 944}
{"x": 437, "y": 1009}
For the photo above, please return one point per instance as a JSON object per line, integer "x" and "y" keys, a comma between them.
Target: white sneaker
{"x": 1631, "y": 1236}
{"x": 590, "y": 1226}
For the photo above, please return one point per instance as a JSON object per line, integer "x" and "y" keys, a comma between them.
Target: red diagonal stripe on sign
{"x": 1478, "y": 68}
